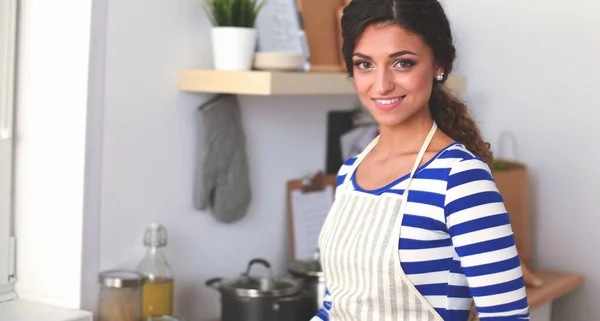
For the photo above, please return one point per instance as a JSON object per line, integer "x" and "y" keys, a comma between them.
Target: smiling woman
{"x": 418, "y": 229}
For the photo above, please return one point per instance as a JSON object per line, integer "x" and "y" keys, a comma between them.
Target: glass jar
{"x": 120, "y": 296}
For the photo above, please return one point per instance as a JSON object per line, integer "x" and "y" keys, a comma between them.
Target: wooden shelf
{"x": 276, "y": 83}
{"x": 556, "y": 284}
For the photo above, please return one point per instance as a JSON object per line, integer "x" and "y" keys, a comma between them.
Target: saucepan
{"x": 258, "y": 298}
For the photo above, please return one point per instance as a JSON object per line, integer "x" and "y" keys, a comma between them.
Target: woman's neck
{"x": 404, "y": 138}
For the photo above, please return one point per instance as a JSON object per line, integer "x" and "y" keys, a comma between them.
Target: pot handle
{"x": 264, "y": 262}
{"x": 317, "y": 255}
{"x": 214, "y": 283}
{"x": 277, "y": 305}
{"x": 294, "y": 297}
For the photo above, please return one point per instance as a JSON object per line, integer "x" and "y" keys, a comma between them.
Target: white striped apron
{"x": 360, "y": 256}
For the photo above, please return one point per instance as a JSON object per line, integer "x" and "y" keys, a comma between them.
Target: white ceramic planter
{"x": 233, "y": 47}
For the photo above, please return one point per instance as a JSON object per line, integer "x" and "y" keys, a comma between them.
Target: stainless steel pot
{"x": 310, "y": 275}
{"x": 251, "y": 298}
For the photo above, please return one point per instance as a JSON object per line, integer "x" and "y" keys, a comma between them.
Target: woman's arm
{"x": 323, "y": 314}
{"x": 483, "y": 239}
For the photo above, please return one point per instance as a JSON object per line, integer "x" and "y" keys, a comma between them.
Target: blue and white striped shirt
{"x": 456, "y": 243}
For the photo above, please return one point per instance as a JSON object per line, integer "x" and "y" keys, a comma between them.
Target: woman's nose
{"x": 385, "y": 82}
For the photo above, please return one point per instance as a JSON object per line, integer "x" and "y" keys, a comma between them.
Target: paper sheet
{"x": 309, "y": 211}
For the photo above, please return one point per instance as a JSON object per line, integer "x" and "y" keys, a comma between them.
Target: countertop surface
{"x": 556, "y": 284}
{"x": 21, "y": 310}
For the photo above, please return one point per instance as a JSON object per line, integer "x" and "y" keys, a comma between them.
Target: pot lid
{"x": 259, "y": 286}
{"x": 256, "y": 286}
{"x": 306, "y": 268}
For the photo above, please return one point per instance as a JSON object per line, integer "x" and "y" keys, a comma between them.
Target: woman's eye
{"x": 363, "y": 65}
{"x": 404, "y": 64}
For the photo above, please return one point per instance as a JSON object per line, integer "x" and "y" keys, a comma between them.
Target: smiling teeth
{"x": 387, "y": 101}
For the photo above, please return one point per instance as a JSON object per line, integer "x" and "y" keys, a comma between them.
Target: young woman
{"x": 418, "y": 229}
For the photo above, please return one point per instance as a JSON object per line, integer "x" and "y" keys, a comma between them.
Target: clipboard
{"x": 308, "y": 202}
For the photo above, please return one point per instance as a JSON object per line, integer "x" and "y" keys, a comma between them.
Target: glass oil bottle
{"x": 157, "y": 297}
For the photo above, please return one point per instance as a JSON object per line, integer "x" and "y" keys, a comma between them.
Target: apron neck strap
{"x": 358, "y": 160}
{"x": 423, "y": 149}
{"x": 418, "y": 160}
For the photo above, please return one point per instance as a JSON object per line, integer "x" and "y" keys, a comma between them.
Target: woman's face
{"x": 393, "y": 73}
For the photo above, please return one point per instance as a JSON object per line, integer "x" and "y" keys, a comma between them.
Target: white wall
{"x": 51, "y": 116}
{"x": 149, "y": 153}
{"x": 532, "y": 68}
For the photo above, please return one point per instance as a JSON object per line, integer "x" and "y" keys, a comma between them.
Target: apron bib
{"x": 360, "y": 257}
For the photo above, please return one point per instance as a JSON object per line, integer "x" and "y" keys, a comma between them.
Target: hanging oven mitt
{"x": 223, "y": 182}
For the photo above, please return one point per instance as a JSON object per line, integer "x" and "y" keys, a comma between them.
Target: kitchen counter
{"x": 556, "y": 285}
{"x": 22, "y": 310}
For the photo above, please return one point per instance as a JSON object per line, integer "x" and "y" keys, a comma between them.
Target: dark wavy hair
{"x": 427, "y": 19}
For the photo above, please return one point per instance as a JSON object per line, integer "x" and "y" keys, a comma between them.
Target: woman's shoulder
{"x": 455, "y": 154}
{"x": 453, "y": 159}
{"x": 464, "y": 167}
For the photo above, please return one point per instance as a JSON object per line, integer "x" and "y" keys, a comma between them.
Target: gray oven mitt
{"x": 223, "y": 182}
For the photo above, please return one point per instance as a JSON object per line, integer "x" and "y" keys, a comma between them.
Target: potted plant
{"x": 233, "y": 34}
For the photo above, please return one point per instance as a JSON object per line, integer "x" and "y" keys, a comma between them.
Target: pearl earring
{"x": 440, "y": 77}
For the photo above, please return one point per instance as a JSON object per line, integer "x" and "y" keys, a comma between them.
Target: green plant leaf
{"x": 233, "y": 13}
{"x": 498, "y": 166}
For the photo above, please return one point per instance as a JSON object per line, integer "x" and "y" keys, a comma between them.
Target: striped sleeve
{"x": 482, "y": 236}
{"x": 323, "y": 314}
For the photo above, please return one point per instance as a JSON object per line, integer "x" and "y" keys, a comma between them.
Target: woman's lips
{"x": 388, "y": 103}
